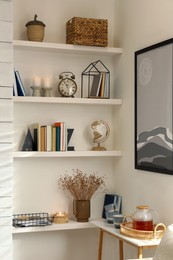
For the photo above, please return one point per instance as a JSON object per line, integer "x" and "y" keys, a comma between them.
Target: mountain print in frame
{"x": 153, "y": 108}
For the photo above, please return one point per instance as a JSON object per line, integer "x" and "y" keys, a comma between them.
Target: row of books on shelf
{"x": 100, "y": 85}
{"x": 18, "y": 86}
{"x": 53, "y": 137}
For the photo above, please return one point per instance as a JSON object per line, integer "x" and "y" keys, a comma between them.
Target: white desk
{"x": 109, "y": 229}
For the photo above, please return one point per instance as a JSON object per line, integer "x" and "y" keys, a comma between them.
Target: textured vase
{"x": 81, "y": 210}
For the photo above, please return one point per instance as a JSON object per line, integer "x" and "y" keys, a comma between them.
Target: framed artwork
{"x": 153, "y": 108}
{"x": 112, "y": 203}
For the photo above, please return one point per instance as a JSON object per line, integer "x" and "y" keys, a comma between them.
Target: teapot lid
{"x": 35, "y": 22}
{"x": 142, "y": 207}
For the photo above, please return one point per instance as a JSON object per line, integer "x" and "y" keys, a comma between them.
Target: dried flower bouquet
{"x": 82, "y": 186}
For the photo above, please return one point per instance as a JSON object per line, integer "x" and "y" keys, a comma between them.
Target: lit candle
{"x": 60, "y": 217}
{"x": 36, "y": 81}
{"x": 46, "y": 82}
{"x": 60, "y": 214}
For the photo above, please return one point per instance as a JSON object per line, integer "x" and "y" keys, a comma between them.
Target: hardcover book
{"x": 95, "y": 88}
{"x": 106, "y": 88}
{"x": 53, "y": 138}
{"x": 58, "y": 135}
{"x": 15, "y": 92}
{"x": 37, "y": 133}
{"x": 19, "y": 83}
{"x": 102, "y": 85}
{"x": 49, "y": 138}
{"x": 43, "y": 138}
{"x": 63, "y": 137}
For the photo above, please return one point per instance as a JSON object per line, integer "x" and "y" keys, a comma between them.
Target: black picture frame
{"x": 153, "y": 108}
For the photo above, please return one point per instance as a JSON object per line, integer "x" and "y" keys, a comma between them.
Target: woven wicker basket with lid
{"x": 35, "y": 30}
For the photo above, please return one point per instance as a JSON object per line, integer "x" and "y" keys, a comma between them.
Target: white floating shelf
{"x": 62, "y": 100}
{"x": 65, "y": 48}
{"x": 54, "y": 227}
{"x": 67, "y": 154}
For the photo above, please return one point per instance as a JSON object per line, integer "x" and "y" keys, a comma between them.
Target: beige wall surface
{"x": 55, "y": 14}
{"x": 141, "y": 23}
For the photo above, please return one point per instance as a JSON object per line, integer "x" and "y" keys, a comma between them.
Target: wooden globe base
{"x": 98, "y": 148}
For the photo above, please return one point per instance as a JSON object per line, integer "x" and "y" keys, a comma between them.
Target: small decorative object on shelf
{"x": 41, "y": 87}
{"x": 46, "y": 82}
{"x": 112, "y": 205}
{"x": 69, "y": 135}
{"x": 36, "y": 87}
{"x": 28, "y": 142}
{"x": 87, "y": 31}
{"x": 82, "y": 187}
{"x": 60, "y": 217}
{"x": 36, "y": 81}
{"x": 118, "y": 220}
{"x": 35, "y": 30}
{"x": 47, "y": 90}
{"x": 100, "y": 132}
{"x": 95, "y": 81}
{"x": 67, "y": 86}
{"x": 31, "y": 220}
{"x": 37, "y": 91}
{"x": 81, "y": 209}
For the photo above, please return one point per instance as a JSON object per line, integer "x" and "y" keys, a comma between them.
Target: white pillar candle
{"x": 36, "y": 81}
{"x": 46, "y": 82}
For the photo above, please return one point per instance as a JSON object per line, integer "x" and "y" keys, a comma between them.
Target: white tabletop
{"x": 116, "y": 232}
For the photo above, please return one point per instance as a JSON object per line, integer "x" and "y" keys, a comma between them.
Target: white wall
{"x": 78, "y": 244}
{"x": 141, "y": 23}
{"x": 55, "y": 14}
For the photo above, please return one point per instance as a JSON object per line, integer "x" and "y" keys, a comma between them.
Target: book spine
{"x": 43, "y": 138}
{"x": 58, "y": 137}
{"x": 63, "y": 137}
{"x": 15, "y": 92}
{"x": 53, "y": 138}
{"x": 106, "y": 89}
{"x": 96, "y": 85}
{"x": 36, "y": 130}
{"x": 49, "y": 138}
{"x": 19, "y": 84}
{"x": 35, "y": 139}
{"x": 102, "y": 86}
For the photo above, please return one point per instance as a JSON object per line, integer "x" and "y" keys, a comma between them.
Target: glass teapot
{"x": 143, "y": 218}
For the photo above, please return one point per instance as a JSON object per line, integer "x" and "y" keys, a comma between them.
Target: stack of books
{"x": 100, "y": 86}
{"x": 50, "y": 137}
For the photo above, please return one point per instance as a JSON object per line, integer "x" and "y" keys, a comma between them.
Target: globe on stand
{"x": 100, "y": 132}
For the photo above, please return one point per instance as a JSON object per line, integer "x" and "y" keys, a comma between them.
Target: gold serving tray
{"x": 126, "y": 228}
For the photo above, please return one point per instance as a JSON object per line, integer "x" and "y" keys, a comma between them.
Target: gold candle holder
{"x": 60, "y": 218}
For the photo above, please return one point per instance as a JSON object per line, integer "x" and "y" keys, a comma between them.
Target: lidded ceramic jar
{"x": 35, "y": 30}
{"x": 143, "y": 218}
